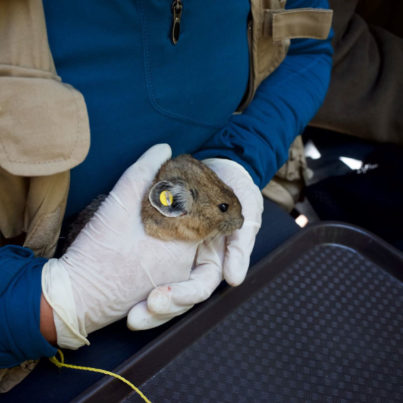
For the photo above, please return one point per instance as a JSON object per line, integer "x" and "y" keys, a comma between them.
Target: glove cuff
{"x": 56, "y": 288}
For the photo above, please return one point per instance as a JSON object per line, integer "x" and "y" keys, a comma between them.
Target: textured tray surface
{"x": 328, "y": 328}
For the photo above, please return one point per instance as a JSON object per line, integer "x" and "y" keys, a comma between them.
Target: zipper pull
{"x": 177, "y": 8}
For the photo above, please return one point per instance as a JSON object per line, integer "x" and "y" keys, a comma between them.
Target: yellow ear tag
{"x": 166, "y": 198}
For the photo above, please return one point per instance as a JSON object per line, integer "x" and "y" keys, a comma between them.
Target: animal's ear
{"x": 172, "y": 199}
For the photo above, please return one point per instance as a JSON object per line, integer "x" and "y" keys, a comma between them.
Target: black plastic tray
{"x": 320, "y": 319}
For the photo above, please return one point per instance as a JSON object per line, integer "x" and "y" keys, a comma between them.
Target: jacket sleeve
{"x": 284, "y": 104}
{"x": 20, "y": 294}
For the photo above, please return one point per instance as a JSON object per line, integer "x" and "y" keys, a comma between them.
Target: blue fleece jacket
{"x": 140, "y": 90}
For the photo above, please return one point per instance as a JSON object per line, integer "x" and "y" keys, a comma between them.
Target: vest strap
{"x": 297, "y": 23}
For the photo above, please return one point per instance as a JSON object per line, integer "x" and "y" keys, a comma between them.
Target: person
{"x": 141, "y": 88}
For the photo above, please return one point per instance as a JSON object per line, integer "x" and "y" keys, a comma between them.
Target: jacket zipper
{"x": 247, "y": 98}
{"x": 177, "y": 8}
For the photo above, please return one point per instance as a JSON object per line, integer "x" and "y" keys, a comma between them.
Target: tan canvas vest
{"x": 44, "y": 129}
{"x": 44, "y": 132}
{"x": 270, "y": 30}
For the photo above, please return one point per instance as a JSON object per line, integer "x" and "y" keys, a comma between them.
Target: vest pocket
{"x": 200, "y": 79}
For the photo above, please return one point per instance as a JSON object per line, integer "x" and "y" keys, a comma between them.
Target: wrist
{"x": 58, "y": 293}
{"x": 20, "y": 310}
{"x": 47, "y": 323}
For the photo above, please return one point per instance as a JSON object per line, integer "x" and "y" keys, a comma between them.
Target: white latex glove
{"x": 113, "y": 264}
{"x": 222, "y": 257}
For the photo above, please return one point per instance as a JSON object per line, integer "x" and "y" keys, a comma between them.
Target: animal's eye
{"x": 223, "y": 207}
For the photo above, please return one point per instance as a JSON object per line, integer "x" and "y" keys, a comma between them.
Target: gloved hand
{"x": 113, "y": 264}
{"x": 222, "y": 257}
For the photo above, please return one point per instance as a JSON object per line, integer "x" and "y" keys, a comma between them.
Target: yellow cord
{"x": 61, "y": 364}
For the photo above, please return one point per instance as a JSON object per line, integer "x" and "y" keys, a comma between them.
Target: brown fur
{"x": 205, "y": 220}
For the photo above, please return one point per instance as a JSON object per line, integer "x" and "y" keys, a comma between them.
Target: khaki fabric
{"x": 270, "y": 29}
{"x": 301, "y": 23}
{"x": 12, "y": 376}
{"x": 44, "y": 131}
{"x": 44, "y": 211}
{"x": 43, "y": 123}
{"x": 286, "y": 186}
{"x": 12, "y": 204}
{"x": 43, "y": 126}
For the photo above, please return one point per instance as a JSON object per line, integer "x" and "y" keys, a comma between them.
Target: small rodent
{"x": 186, "y": 201}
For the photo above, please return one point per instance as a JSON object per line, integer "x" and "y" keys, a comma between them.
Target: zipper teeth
{"x": 249, "y": 95}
